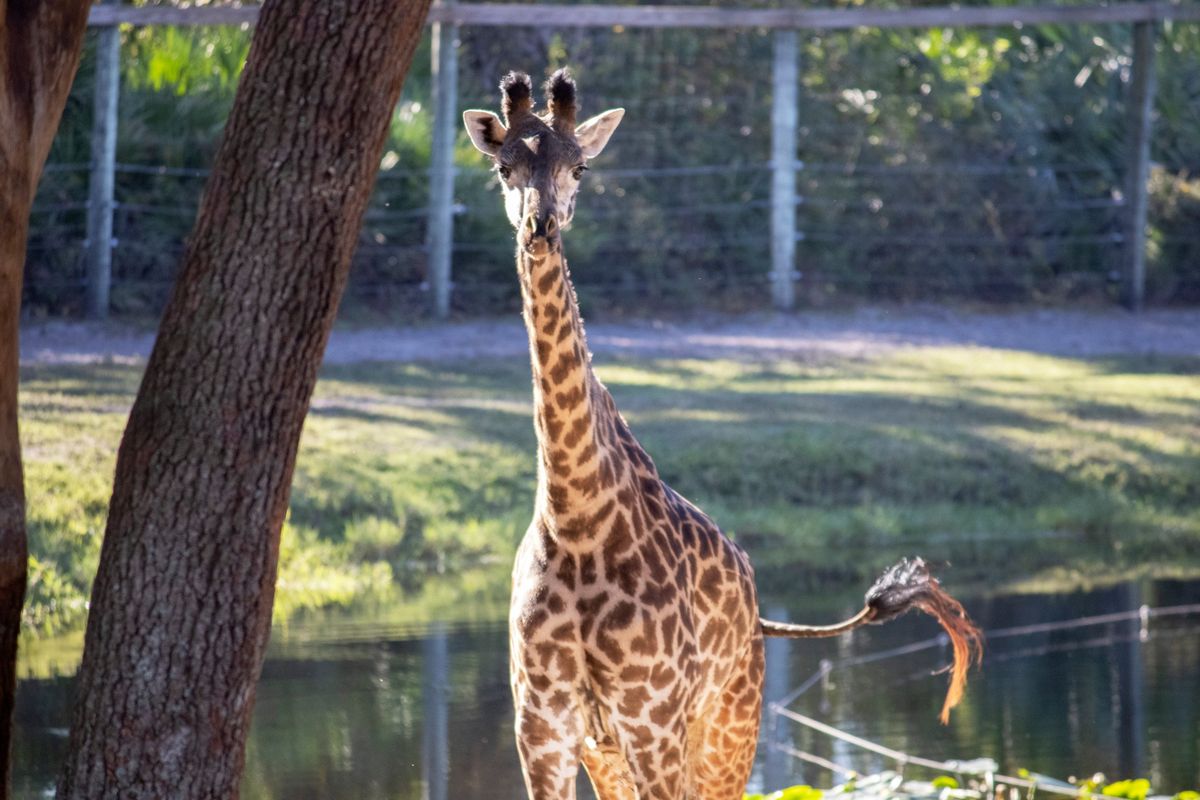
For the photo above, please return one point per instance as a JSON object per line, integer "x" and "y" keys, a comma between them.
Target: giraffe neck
{"x": 582, "y": 441}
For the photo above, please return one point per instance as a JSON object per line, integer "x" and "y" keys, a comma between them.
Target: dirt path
{"x": 855, "y": 334}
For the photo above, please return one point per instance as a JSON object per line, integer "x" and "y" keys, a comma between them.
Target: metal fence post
{"x": 785, "y": 79}
{"x": 1141, "y": 110}
{"x": 440, "y": 232}
{"x": 100, "y": 182}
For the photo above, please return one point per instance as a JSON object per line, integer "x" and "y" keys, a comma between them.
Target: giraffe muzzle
{"x": 537, "y": 232}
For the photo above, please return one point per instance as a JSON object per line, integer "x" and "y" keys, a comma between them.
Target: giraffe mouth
{"x": 537, "y": 249}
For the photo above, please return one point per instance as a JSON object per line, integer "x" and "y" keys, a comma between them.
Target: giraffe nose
{"x": 537, "y": 231}
{"x": 541, "y": 226}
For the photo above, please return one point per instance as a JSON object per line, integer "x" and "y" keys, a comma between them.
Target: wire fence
{"x": 984, "y": 164}
{"x": 781, "y": 709}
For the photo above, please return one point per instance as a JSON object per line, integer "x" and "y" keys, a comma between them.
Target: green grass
{"x": 1004, "y": 463}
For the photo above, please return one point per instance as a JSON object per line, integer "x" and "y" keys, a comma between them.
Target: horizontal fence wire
{"x": 904, "y": 759}
{"x": 813, "y": 758}
{"x": 491, "y": 15}
{"x": 1067, "y": 647}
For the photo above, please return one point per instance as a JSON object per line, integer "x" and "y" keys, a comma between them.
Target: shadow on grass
{"x": 106, "y": 383}
{"x": 826, "y": 471}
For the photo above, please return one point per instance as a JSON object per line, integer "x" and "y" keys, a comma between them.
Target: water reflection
{"x": 1059, "y": 702}
{"x": 435, "y": 746}
{"x": 777, "y": 683}
{"x": 426, "y": 718}
{"x": 1126, "y": 678}
{"x": 405, "y": 716}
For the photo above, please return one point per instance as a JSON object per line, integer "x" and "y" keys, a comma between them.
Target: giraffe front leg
{"x": 549, "y": 737}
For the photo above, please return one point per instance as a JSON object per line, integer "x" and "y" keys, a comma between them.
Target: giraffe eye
{"x": 577, "y": 173}
{"x": 505, "y": 172}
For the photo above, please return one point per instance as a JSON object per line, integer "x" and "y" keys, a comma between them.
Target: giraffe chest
{"x": 649, "y": 617}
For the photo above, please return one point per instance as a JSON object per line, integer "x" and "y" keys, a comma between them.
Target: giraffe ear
{"x": 486, "y": 130}
{"x": 593, "y": 134}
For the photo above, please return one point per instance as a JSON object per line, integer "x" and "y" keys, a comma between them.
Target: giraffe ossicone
{"x": 636, "y": 646}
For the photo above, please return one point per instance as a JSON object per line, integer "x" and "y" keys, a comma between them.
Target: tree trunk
{"x": 40, "y": 45}
{"x": 181, "y": 606}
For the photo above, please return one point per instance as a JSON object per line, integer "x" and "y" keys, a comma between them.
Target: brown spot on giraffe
{"x": 636, "y": 648}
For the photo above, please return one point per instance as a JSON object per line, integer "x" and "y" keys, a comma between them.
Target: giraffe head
{"x": 540, "y": 158}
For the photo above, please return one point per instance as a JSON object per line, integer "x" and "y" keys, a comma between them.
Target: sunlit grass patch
{"x": 825, "y": 469}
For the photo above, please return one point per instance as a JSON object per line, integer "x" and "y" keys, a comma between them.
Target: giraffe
{"x": 636, "y": 649}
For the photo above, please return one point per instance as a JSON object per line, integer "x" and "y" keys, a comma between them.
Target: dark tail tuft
{"x": 910, "y": 585}
{"x": 900, "y": 589}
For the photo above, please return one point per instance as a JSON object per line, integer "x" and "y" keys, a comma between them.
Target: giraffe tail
{"x": 901, "y": 588}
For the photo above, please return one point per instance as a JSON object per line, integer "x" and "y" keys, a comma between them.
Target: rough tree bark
{"x": 40, "y": 45}
{"x": 181, "y": 606}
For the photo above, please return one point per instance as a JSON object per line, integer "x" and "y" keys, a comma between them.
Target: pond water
{"x": 350, "y": 709}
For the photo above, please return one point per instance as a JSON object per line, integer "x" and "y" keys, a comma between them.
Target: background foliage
{"x": 970, "y": 164}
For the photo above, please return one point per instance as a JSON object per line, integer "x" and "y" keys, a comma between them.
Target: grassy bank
{"x": 997, "y": 461}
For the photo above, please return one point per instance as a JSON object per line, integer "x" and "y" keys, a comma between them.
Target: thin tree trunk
{"x": 181, "y": 606}
{"x": 40, "y": 45}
